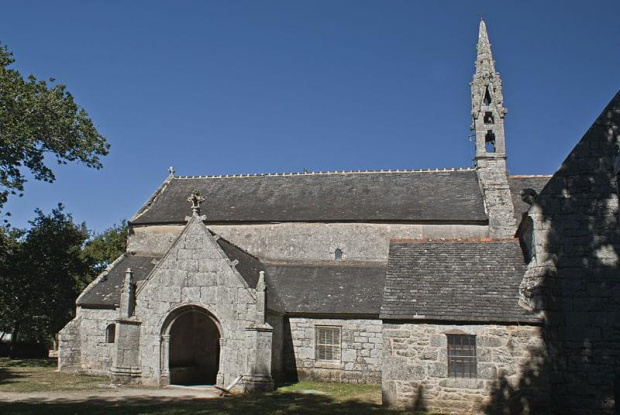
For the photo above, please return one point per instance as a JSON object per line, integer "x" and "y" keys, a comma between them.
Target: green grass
{"x": 40, "y": 375}
{"x": 337, "y": 391}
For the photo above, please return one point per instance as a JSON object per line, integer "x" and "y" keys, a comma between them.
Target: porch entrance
{"x": 194, "y": 348}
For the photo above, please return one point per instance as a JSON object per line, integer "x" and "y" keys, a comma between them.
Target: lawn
{"x": 40, "y": 375}
{"x": 304, "y": 398}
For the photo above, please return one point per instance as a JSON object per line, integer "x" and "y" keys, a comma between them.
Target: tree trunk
{"x": 15, "y": 333}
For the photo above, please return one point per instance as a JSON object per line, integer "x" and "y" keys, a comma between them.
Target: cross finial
{"x": 481, "y": 16}
{"x": 195, "y": 199}
{"x": 171, "y": 170}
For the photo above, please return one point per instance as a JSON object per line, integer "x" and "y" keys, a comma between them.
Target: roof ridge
{"x": 325, "y": 262}
{"x": 316, "y": 173}
{"x": 529, "y": 175}
{"x": 450, "y": 240}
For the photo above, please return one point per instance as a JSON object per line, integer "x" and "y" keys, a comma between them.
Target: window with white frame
{"x": 328, "y": 343}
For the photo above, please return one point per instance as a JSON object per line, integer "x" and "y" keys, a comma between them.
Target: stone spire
{"x": 487, "y": 102}
{"x": 488, "y": 112}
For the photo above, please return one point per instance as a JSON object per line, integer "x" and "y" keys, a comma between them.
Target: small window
{"x": 487, "y": 97}
{"x": 489, "y": 142}
{"x": 328, "y": 343}
{"x": 488, "y": 118}
{"x": 110, "y": 333}
{"x": 462, "y": 356}
{"x": 338, "y": 253}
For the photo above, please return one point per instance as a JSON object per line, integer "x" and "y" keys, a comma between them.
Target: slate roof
{"x": 329, "y": 287}
{"x": 106, "y": 290}
{"x": 455, "y": 281}
{"x": 518, "y": 183}
{"x": 417, "y": 196}
{"x": 249, "y": 267}
{"x": 325, "y": 287}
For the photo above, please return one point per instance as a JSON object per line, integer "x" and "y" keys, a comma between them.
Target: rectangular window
{"x": 461, "y": 356}
{"x": 327, "y": 343}
{"x": 110, "y": 333}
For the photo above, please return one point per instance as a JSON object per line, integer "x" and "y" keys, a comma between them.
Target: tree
{"x": 105, "y": 247}
{"x": 8, "y": 247}
{"x": 38, "y": 120}
{"x": 43, "y": 276}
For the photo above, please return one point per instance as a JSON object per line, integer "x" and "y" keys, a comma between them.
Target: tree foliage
{"x": 105, "y": 247}
{"x": 44, "y": 268}
{"x": 44, "y": 273}
{"x": 40, "y": 119}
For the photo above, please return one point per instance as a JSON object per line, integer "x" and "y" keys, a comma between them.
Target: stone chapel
{"x": 458, "y": 290}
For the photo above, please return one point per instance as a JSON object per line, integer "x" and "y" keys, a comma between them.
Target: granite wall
{"x": 306, "y": 241}
{"x": 361, "y": 350}
{"x": 573, "y": 235}
{"x": 197, "y": 274}
{"x": 82, "y": 342}
{"x": 415, "y": 367}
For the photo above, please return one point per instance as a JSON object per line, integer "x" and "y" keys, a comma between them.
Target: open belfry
{"x": 455, "y": 289}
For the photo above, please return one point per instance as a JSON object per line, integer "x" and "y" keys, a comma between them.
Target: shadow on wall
{"x": 288, "y": 352}
{"x": 527, "y": 395}
{"x": 574, "y": 279}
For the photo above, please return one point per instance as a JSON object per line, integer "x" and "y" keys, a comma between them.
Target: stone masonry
{"x": 307, "y": 241}
{"x": 415, "y": 366}
{"x": 573, "y": 237}
{"x": 195, "y": 273}
{"x": 488, "y": 114}
{"x": 228, "y": 294}
{"x": 83, "y": 347}
{"x": 361, "y": 350}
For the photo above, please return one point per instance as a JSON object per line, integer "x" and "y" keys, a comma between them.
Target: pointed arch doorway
{"x": 190, "y": 347}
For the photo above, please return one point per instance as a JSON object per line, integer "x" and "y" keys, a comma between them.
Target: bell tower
{"x": 487, "y": 102}
{"x": 488, "y": 113}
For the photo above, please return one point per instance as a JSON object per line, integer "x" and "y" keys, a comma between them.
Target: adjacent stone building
{"x": 459, "y": 290}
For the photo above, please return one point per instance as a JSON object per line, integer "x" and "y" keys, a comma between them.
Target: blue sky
{"x": 230, "y": 87}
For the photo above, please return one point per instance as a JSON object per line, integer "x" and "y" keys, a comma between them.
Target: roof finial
{"x": 195, "y": 199}
{"x": 171, "y": 170}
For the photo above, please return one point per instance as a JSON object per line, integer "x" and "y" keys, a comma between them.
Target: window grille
{"x": 462, "y": 356}
{"x": 328, "y": 343}
{"x": 110, "y": 333}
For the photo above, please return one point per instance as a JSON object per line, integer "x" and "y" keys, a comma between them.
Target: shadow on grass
{"x": 6, "y": 362}
{"x": 7, "y": 375}
{"x": 10, "y": 376}
{"x": 272, "y": 404}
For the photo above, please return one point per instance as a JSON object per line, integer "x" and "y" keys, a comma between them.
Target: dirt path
{"x": 116, "y": 394}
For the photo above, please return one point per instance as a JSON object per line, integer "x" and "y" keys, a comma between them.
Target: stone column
{"x": 164, "y": 375}
{"x": 219, "y": 379}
